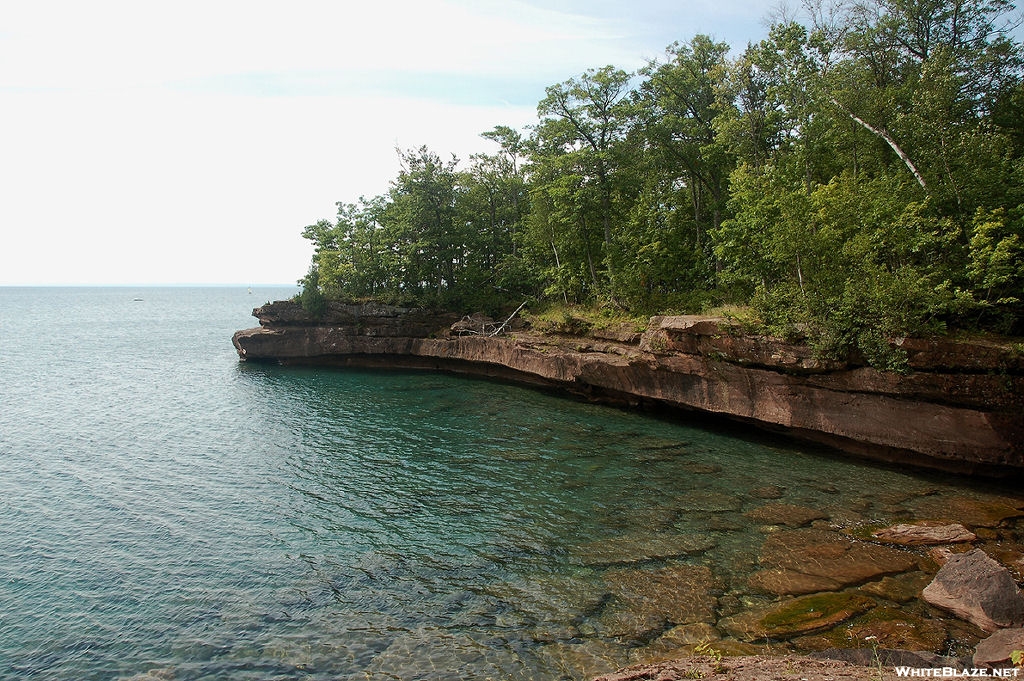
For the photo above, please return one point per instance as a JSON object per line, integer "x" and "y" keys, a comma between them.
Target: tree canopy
{"x": 852, "y": 178}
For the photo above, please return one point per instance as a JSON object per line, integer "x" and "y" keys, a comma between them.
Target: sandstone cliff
{"x": 960, "y": 408}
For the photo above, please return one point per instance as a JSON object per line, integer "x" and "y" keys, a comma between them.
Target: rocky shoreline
{"x": 829, "y": 595}
{"x": 960, "y": 408}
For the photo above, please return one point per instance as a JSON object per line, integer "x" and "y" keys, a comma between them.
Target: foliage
{"x": 312, "y": 298}
{"x": 576, "y": 319}
{"x": 849, "y": 180}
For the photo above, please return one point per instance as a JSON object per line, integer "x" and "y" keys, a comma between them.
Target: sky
{"x": 189, "y": 142}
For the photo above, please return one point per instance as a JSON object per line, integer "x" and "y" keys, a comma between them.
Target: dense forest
{"x": 855, "y": 176}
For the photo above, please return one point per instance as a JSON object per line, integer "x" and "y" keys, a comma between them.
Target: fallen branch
{"x": 505, "y": 323}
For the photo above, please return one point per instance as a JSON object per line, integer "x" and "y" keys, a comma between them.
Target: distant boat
{"x": 250, "y": 292}
{"x": 137, "y": 300}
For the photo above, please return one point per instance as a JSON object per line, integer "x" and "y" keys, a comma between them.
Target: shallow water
{"x": 167, "y": 509}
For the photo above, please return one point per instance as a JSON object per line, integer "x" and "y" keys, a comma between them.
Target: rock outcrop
{"x": 976, "y": 588}
{"x": 960, "y": 407}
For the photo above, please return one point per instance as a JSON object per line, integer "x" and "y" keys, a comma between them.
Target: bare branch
{"x": 881, "y": 132}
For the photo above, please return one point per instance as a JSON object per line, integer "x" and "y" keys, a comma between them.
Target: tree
{"x": 681, "y": 102}
{"x": 581, "y": 122}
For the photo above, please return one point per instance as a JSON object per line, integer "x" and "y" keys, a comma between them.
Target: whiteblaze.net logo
{"x": 951, "y": 672}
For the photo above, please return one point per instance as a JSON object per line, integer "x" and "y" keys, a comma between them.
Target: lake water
{"x": 167, "y": 512}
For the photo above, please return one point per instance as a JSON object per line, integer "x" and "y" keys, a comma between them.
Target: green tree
{"x": 574, "y": 163}
{"x": 684, "y": 170}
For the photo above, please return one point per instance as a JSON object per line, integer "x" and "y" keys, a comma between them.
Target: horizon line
{"x": 147, "y": 285}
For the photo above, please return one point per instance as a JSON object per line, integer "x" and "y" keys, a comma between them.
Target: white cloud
{"x": 129, "y": 43}
{"x": 167, "y": 142}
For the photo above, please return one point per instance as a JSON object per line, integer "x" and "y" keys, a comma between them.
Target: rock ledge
{"x": 961, "y": 408}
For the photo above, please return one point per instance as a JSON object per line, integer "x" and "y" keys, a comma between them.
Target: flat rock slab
{"x": 924, "y": 534}
{"x": 976, "y": 588}
{"x": 810, "y": 560}
{"x": 639, "y": 548}
{"x": 785, "y": 514}
{"x": 747, "y": 668}
{"x": 886, "y": 627}
{"x": 644, "y": 603}
{"x": 796, "y": 616}
{"x": 995, "y": 650}
{"x": 969, "y": 511}
{"x": 900, "y": 588}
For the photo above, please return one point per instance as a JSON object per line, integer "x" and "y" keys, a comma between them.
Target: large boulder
{"x": 976, "y": 588}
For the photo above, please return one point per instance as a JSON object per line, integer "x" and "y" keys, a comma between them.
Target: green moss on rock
{"x": 797, "y": 616}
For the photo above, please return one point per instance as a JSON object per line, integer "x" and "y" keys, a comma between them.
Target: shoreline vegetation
{"x": 850, "y": 179}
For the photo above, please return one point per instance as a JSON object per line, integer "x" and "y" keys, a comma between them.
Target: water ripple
{"x": 164, "y": 508}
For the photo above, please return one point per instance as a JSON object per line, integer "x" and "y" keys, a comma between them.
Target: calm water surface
{"x": 167, "y": 512}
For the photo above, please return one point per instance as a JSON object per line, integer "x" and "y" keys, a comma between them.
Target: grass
{"x": 579, "y": 319}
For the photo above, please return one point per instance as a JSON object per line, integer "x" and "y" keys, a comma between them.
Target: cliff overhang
{"x": 960, "y": 407}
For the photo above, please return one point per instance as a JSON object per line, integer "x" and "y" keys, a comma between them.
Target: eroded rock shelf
{"x": 960, "y": 408}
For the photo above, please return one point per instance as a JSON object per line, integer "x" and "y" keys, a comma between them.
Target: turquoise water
{"x": 169, "y": 512}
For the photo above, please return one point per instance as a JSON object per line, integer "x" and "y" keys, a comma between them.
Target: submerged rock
{"x": 639, "y": 548}
{"x": 976, "y": 588}
{"x": 924, "y": 533}
{"x": 811, "y": 560}
{"x": 688, "y": 634}
{"x": 545, "y": 604}
{"x": 645, "y": 603}
{"x": 432, "y": 654}
{"x": 886, "y": 627}
{"x": 968, "y": 510}
{"x": 584, "y": 659}
{"x": 709, "y": 502}
{"x": 900, "y": 588}
{"x": 889, "y": 657}
{"x": 768, "y": 492}
{"x": 796, "y": 616}
{"x": 785, "y": 514}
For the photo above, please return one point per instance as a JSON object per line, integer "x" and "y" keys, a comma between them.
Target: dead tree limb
{"x": 505, "y": 323}
{"x": 881, "y": 132}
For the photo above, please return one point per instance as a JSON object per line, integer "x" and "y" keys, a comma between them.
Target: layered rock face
{"x": 960, "y": 408}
